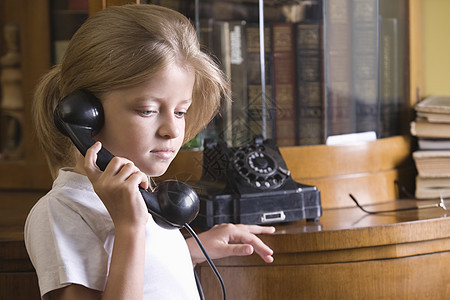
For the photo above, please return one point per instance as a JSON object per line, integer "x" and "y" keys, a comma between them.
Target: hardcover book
{"x": 238, "y": 77}
{"x": 434, "y": 104}
{"x": 433, "y": 144}
{"x": 390, "y": 91}
{"x": 365, "y": 64}
{"x": 425, "y": 129}
{"x": 284, "y": 83}
{"x": 207, "y": 38}
{"x": 221, "y": 49}
{"x": 256, "y": 113}
{"x": 432, "y": 187}
{"x": 310, "y": 115}
{"x": 340, "y": 111}
{"x": 434, "y": 117}
{"x": 432, "y": 163}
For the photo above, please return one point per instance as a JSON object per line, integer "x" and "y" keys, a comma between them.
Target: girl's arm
{"x": 117, "y": 186}
{"x": 126, "y": 274}
{"x": 231, "y": 240}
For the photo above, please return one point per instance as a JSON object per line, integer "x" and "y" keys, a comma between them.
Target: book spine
{"x": 229, "y": 10}
{"x": 238, "y": 70}
{"x": 340, "y": 112}
{"x": 309, "y": 83}
{"x": 214, "y": 127}
{"x": 78, "y": 5}
{"x": 284, "y": 81}
{"x": 255, "y": 111}
{"x": 184, "y": 7}
{"x": 390, "y": 92}
{"x": 69, "y": 16}
{"x": 221, "y": 48}
{"x": 365, "y": 64}
{"x": 424, "y": 129}
{"x": 205, "y": 36}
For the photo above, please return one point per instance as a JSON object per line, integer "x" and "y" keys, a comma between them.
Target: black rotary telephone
{"x": 251, "y": 184}
{"x": 80, "y": 116}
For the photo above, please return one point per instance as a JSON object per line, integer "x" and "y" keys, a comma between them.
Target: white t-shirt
{"x": 69, "y": 237}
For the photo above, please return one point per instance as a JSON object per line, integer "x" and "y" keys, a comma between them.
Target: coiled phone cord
{"x": 210, "y": 262}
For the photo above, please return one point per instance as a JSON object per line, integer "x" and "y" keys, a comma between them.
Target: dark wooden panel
{"x": 19, "y": 286}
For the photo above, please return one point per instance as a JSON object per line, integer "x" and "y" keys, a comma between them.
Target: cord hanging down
{"x": 208, "y": 259}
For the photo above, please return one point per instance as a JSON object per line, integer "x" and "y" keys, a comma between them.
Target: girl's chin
{"x": 154, "y": 168}
{"x": 156, "y": 172}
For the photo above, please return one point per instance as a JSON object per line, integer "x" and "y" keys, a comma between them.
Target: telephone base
{"x": 266, "y": 207}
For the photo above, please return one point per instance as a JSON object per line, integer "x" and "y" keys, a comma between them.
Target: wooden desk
{"x": 347, "y": 255}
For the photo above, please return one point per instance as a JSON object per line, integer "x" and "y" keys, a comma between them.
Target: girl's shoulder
{"x": 72, "y": 197}
{"x": 73, "y": 191}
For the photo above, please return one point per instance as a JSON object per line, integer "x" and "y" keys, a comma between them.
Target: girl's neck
{"x": 79, "y": 168}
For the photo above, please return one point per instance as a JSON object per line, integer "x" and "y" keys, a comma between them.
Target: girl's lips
{"x": 163, "y": 153}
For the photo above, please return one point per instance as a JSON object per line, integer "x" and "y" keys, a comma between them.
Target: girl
{"x": 91, "y": 236}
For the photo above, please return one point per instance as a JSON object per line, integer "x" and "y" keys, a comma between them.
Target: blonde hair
{"x": 123, "y": 46}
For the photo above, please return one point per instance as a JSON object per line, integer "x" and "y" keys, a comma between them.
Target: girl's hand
{"x": 231, "y": 240}
{"x": 118, "y": 188}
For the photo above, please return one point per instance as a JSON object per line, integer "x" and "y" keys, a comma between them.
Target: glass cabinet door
{"x": 330, "y": 68}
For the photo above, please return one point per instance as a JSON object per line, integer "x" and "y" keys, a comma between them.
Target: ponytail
{"x": 57, "y": 148}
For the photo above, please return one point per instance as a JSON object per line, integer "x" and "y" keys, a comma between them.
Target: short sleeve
{"x": 65, "y": 248}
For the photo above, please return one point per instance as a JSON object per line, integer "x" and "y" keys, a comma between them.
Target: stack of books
{"x": 432, "y": 159}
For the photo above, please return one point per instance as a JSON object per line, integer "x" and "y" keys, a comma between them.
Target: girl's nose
{"x": 168, "y": 128}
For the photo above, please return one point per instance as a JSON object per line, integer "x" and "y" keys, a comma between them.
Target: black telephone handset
{"x": 80, "y": 116}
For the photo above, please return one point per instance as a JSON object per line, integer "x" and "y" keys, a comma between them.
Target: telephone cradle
{"x": 251, "y": 185}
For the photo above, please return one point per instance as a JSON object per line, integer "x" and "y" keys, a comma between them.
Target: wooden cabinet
{"x": 24, "y": 180}
{"x": 30, "y": 172}
{"x": 348, "y": 255}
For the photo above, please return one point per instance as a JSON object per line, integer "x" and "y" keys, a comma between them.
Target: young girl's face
{"x": 145, "y": 123}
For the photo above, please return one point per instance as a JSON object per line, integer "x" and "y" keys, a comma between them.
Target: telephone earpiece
{"x": 80, "y": 116}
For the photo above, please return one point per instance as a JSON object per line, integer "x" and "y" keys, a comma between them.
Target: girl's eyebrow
{"x": 187, "y": 101}
{"x": 144, "y": 99}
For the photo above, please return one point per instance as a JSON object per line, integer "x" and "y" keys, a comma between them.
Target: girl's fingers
{"x": 121, "y": 168}
{"x": 129, "y": 172}
{"x": 90, "y": 166}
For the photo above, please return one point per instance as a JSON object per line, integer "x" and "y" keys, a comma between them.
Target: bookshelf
{"x": 29, "y": 172}
{"x": 332, "y": 67}
{"x": 44, "y": 30}
{"x": 337, "y": 42}
{"x": 347, "y": 69}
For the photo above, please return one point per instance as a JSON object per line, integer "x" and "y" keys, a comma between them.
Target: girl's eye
{"x": 180, "y": 114}
{"x": 146, "y": 112}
